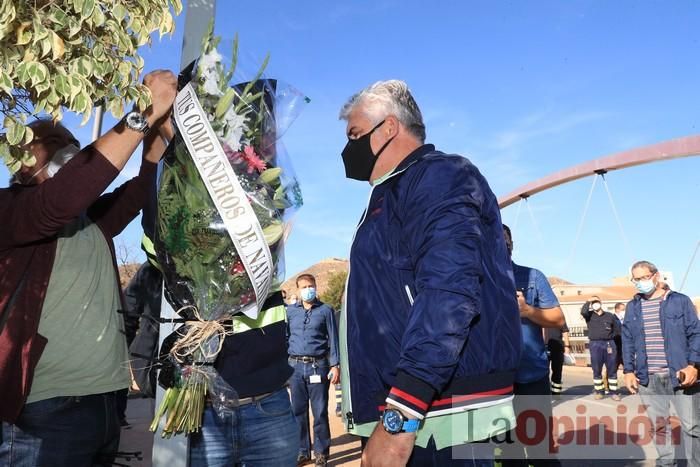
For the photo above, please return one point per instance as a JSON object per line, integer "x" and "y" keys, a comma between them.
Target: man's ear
{"x": 391, "y": 126}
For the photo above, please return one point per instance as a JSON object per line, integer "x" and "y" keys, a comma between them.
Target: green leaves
{"x": 88, "y": 6}
{"x": 270, "y": 175}
{"x": 273, "y": 232}
{"x": 14, "y": 131}
{"x": 23, "y": 33}
{"x": 5, "y": 82}
{"x": 68, "y": 54}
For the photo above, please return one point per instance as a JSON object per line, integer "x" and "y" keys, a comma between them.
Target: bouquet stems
{"x": 183, "y": 406}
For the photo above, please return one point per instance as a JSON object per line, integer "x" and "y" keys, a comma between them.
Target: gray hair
{"x": 385, "y": 98}
{"x": 645, "y": 264}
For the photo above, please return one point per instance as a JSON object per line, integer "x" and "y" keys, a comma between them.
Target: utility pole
{"x": 173, "y": 452}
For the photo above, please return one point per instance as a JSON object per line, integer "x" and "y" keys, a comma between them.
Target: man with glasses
{"x": 62, "y": 348}
{"x": 313, "y": 353}
{"x": 661, "y": 357}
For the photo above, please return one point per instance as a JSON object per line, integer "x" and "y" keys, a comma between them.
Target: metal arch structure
{"x": 666, "y": 150}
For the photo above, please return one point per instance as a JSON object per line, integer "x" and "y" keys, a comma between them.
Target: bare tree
{"x": 124, "y": 253}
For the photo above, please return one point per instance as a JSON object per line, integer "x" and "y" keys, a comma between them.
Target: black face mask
{"x": 358, "y": 157}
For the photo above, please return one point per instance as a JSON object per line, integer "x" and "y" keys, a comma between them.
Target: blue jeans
{"x": 304, "y": 391}
{"x": 262, "y": 434}
{"x": 72, "y": 431}
{"x": 604, "y": 353}
{"x": 658, "y": 395}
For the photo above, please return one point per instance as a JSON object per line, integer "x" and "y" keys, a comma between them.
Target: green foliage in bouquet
{"x": 71, "y": 54}
{"x": 206, "y": 279}
{"x": 190, "y": 231}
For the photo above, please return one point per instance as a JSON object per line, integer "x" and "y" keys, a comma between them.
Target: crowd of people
{"x": 442, "y": 338}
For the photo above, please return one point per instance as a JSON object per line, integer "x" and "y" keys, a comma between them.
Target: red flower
{"x": 247, "y": 298}
{"x": 247, "y": 156}
{"x": 253, "y": 160}
{"x": 237, "y": 268}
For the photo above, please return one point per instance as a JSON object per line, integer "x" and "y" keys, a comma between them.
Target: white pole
{"x": 173, "y": 452}
{"x": 97, "y": 124}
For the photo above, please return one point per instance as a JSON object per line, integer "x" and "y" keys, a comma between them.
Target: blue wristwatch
{"x": 394, "y": 422}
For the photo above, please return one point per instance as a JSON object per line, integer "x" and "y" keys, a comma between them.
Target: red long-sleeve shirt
{"x": 30, "y": 218}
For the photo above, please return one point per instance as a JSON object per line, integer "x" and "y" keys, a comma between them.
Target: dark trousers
{"x": 303, "y": 393}
{"x": 604, "y": 352}
{"x": 515, "y": 455}
{"x": 63, "y": 431}
{"x": 618, "y": 343}
{"x": 556, "y": 361}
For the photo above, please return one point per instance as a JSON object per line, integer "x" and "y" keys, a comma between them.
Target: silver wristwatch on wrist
{"x": 135, "y": 120}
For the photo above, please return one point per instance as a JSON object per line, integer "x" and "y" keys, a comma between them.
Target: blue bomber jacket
{"x": 680, "y": 327}
{"x": 431, "y": 317}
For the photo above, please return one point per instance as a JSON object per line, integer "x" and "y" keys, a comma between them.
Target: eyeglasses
{"x": 643, "y": 278}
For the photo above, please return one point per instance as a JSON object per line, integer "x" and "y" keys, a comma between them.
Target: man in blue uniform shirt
{"x": 539, "y": 308}
{"x": 313, "y": 352}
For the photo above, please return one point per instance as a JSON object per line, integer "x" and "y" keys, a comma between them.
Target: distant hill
{"x": 126, "y": 272}
{"x": 322, "y": 271}
{"x": 553, "y": 280}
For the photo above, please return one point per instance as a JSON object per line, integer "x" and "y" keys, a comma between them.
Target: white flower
{"x": 209, "y": 61}
{"x": 208, "y": 71}
{"x": 235, "y": 127}
{"x": 211, "y": 86}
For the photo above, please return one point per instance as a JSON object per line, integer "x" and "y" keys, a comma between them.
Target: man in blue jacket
{"x": 661, "y": 357}
{"x": 430, "y": 332}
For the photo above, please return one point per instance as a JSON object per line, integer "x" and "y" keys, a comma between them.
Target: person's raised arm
{"x": 118, "y": 144}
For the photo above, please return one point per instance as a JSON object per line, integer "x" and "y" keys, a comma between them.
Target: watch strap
{"x": 411, "y": 426}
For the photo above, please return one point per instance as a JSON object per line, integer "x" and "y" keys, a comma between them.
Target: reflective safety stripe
{"x": 149, "y": 248}
{"x": 598, "y": 384}
{"x": 242, "y": 323}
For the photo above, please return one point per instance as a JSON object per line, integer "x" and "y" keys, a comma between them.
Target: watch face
{"x": 393, "y": 421}
{"x": 135, "y": 121}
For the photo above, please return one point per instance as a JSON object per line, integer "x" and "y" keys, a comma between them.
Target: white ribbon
{"x": 227, "y": 194}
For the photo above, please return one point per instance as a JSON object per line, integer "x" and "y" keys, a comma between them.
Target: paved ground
{"x": 345, "y": 449}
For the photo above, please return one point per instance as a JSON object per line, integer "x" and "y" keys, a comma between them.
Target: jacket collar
{"x": 414, "y": 156}
{"x": 315, "y": 304}
{"x": 638, "y": 296}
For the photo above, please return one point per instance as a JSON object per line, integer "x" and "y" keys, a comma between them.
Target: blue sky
{"x": 521, "y": 88}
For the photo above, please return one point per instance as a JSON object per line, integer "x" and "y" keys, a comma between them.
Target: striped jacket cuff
{"x": 411, "y": 394}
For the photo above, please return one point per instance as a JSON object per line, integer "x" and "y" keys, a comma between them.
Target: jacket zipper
{"x": 347, "y": 394}
{"x": 408, "y": 293}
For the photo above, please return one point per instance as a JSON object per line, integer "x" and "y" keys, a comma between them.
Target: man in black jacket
{"x": 602, "y": 328}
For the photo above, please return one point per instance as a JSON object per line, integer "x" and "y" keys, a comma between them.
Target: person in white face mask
{"x": 313, "y": 353}
{"x": 62, "y": 343}
{"x": 661, "y": 357}
{"x": 602, "y": 328}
